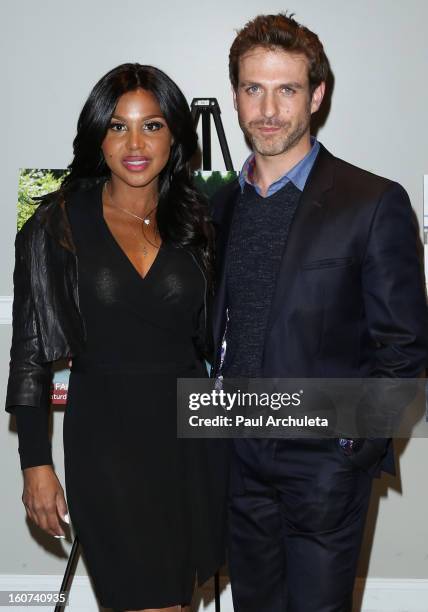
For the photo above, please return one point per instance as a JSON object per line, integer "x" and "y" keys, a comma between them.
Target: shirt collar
{"x": 298, "y": 175}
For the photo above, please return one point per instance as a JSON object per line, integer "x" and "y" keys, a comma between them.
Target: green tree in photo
{"x": 209, "y": 183}
{"x": 199, "y": 182}
{"x": 32, "y": 184}
{"x": 213, "y": 183}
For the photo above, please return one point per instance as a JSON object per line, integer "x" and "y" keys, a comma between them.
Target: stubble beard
{"x": 276, "y": 143}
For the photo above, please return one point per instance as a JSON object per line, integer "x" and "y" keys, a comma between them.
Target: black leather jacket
{"x": 47, "y": 324}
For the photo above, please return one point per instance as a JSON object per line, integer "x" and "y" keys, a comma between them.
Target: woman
{"x": 114, "y": 271}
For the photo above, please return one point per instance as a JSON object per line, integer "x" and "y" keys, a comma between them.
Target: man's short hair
{"x": 280, "y": 32}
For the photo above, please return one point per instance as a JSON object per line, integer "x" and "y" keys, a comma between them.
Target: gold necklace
{"x": 145, "y": 220}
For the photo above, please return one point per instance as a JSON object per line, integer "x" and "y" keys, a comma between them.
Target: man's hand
{"x": 44, "y": 500}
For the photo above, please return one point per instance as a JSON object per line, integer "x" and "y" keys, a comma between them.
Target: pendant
{"x": 147, "y": 221}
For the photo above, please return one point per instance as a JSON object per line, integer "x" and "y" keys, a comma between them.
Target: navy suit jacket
{"x": 350, "y": 298}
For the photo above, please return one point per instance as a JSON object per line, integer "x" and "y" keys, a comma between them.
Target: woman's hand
{"x": 44, "y": 500}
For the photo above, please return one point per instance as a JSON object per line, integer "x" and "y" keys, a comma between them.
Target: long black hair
{"x": 182, "y": 217}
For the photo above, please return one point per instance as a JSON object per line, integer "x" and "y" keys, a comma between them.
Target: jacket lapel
{"x": 305, "y": 226}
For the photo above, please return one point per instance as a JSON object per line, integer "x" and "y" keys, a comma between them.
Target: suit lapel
{"x": 304, "y": 228}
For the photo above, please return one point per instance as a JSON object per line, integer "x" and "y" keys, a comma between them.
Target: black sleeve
{"x": 29, "y": 375}
{"x": 394, "y": 289}
{"x": 32, "y": 423}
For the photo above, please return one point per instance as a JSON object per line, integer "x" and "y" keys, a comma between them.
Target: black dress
{"x": 144, "y": 504}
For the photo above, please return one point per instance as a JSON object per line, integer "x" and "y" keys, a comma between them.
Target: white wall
{"x": 52, "y": 52}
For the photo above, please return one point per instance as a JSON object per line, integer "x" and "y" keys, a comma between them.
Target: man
{"x": 318, "y": 276}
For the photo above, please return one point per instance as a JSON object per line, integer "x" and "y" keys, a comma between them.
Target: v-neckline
{"x": 111, "y": 237}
